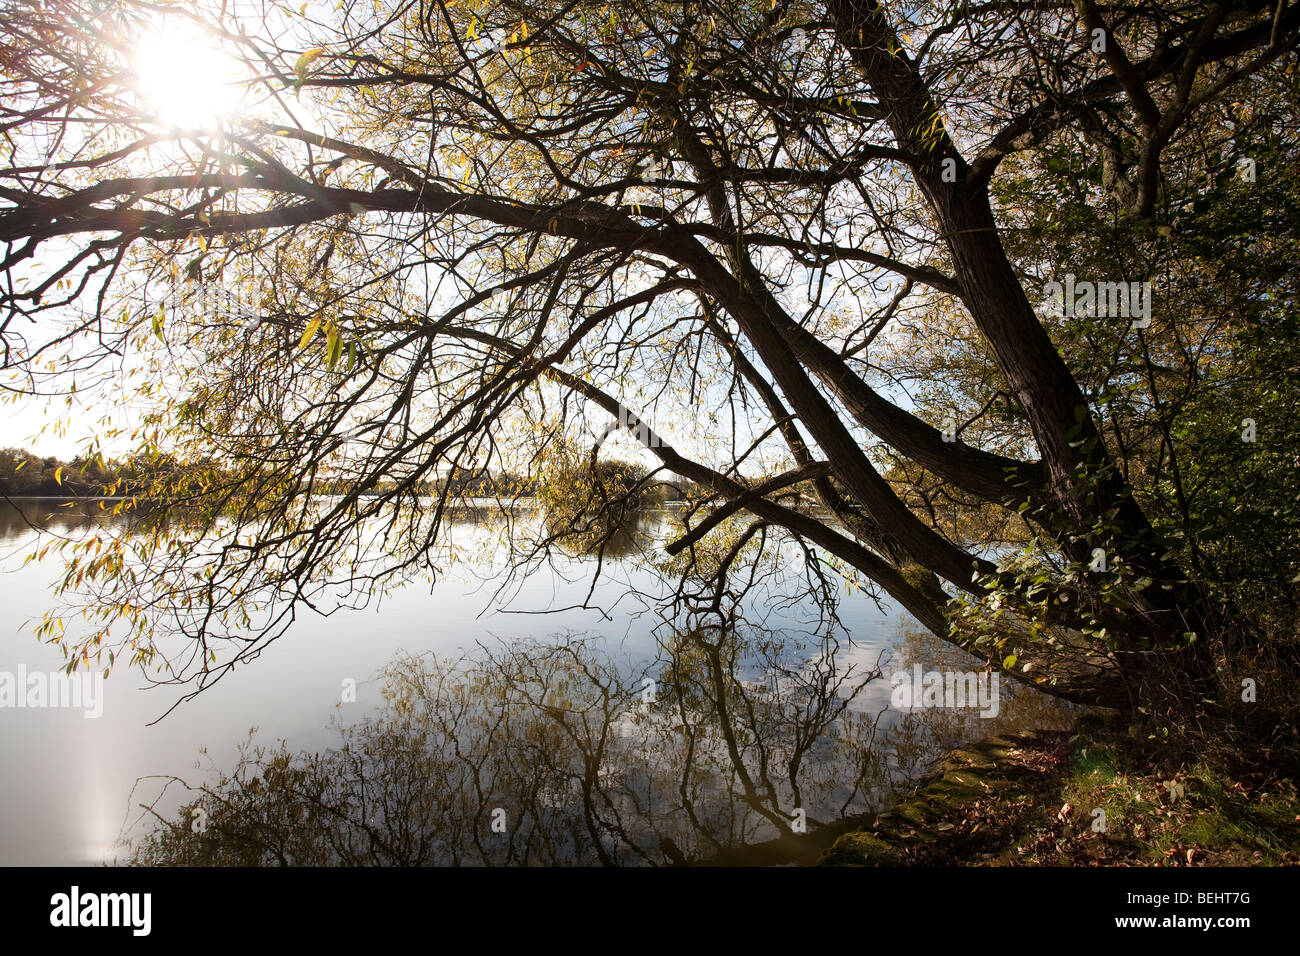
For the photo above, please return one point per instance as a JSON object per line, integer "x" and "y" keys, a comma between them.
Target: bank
{"x": 1100, "y": 795}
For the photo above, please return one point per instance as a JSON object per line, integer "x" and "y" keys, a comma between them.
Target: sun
{"x": 185, "y": 81}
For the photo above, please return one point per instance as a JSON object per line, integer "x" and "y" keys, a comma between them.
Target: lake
{"x": 73, "y": 785}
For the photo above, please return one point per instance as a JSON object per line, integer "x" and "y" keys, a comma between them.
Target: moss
{"x": 860, "y": 849}
{"x": 930, "y": 820}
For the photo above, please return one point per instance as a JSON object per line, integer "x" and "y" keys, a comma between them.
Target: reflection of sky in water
{"x": 64, "y": 792}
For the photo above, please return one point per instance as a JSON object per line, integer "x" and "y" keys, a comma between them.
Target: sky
{"x": 185, "y": 82}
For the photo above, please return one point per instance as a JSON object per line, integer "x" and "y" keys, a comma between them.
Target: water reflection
{"x": 544, "y": 753}
{"x": 54, "y": 514}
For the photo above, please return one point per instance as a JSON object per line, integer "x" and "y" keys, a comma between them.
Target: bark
{"x": 1086, "y": 488}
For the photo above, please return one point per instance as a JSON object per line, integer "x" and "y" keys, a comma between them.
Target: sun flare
{"x": 186, "y": 81}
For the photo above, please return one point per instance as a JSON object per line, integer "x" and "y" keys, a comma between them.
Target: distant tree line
{"x": 24, "y": 473}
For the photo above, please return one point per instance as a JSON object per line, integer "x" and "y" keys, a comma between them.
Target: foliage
{"x": 797, "y": 241}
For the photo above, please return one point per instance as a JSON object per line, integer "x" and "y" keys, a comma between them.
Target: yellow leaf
{"x": 58, "y": 475}
{"x": 309, "y": 332}
{"x": 304, "y": 61}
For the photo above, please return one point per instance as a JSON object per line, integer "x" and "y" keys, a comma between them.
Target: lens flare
{"x": 185, "y": 81}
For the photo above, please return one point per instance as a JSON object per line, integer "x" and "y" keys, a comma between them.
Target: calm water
{"x": 67, "y": 790}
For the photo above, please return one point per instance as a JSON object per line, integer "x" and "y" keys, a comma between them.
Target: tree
{"x": 460, "y": 225}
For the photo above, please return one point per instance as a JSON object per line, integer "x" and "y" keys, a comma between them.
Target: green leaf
{"x": 1009, "y": 661}
{"x": 333, "y": 345}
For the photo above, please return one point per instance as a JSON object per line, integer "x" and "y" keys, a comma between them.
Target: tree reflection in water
{"x": 555, "y": 753}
